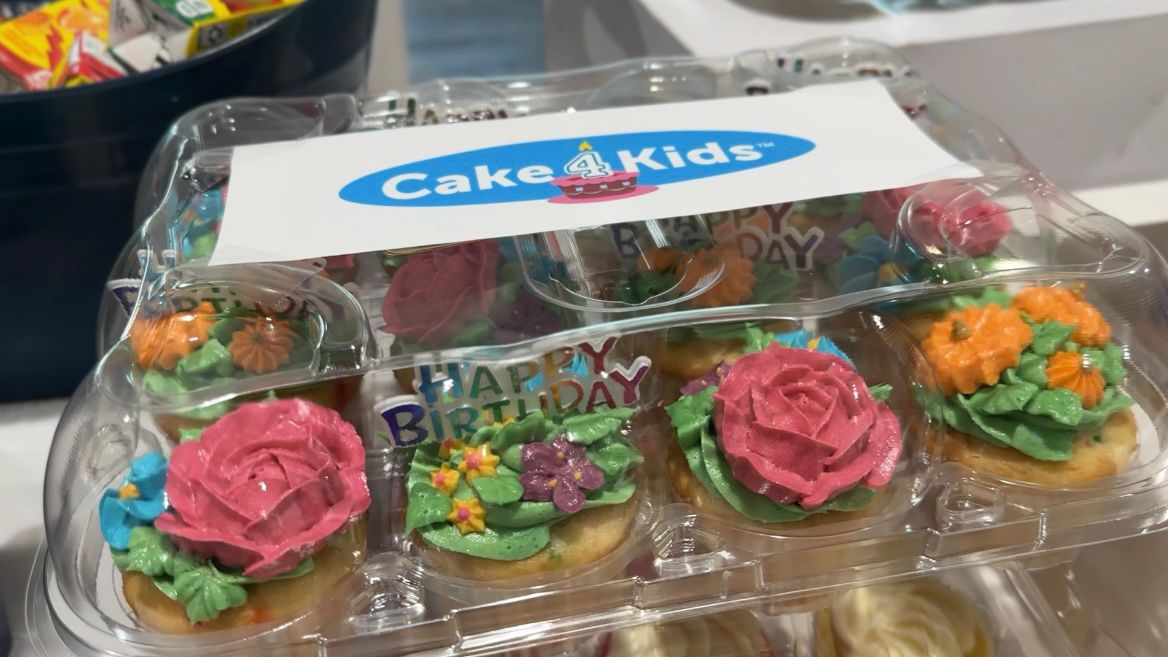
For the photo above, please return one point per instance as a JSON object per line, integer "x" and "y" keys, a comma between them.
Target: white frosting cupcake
{"x": 728, "y": 634}
{"x": 912, "y": 619}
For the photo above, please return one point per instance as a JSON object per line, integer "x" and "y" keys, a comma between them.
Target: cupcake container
{"x": 574, "y": 321}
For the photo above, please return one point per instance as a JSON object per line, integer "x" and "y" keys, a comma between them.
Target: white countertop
{"x": 26, "y": 431}
{"x": 721, "y": 27}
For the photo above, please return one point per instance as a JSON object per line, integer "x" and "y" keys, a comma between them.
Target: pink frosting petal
{"x": 266, "y": 485}
{"x": 230, "y": 549}
{"x": 435, "y": 293}
{"x": 801, "y": 426}
{"x": 297, "y": 512}
{"x": 283, "y": 557}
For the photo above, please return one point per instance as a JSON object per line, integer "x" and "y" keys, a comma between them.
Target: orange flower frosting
{"x": 660, "y": 260}
{"x": 1065, "y": 306}
{"x": 972, "y": 347}
{"x": 262, "y": 346}
{"x": 163, "y": 341}
{"x": 1075, "y": 372}
{"x": 736, "y": 284}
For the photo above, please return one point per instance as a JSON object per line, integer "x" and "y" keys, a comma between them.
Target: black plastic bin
{"x": 70, "y": 160}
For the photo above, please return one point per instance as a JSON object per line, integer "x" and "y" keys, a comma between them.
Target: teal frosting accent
{"x": 692, "y": 420}
{"x": 1022, "y": 413}
{"x": 516, "y": 528}
{"x": 758, "y": 339}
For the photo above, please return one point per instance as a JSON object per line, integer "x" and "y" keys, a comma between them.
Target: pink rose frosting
{"x": 974, "y": 230}
{"x": 800, "y": 426}
{"x": 435, "y": 293}
{"x": 265, "y": 485}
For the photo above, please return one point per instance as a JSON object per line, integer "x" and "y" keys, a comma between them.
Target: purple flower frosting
{"x": 559, "y": 472}
{"x": 714, "y": 377}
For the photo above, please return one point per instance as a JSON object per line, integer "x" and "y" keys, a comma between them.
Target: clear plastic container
{"x": 567, "y": 433}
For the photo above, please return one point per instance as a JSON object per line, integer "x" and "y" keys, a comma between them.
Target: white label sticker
{"x": 397, "y": 189}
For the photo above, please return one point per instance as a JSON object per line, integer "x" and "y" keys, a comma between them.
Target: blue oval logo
{"x": 584, "y": 170}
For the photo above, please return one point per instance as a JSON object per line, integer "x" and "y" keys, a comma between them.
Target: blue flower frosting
{"x": 140, "y": 499}
{"x": 196, "y": 228}
{"x": 801, "y": 339}
{"x": 869, "y": 267}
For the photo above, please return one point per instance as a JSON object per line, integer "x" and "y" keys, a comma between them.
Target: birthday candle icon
{"x": 588, "y": 163}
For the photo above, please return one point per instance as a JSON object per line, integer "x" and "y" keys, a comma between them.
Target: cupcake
{"x": 958, "y": 222}
{"x": 461, "y": 296}
{"x": 727, "y": 634}
{"x": 832, "y": 216}
{"x": 524, "y": 497}
{"x": 784, "y": 434}
{"x": 920, "y": 618}
{"x": 181, "y": 351}
{"x": 689, "y": 352}
{"x": 255, "y": 520}
{"x": 1032, "y": 388}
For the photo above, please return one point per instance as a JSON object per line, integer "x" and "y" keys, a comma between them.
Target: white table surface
{"x": 722, "y": 27}
{"x": 26, "y": 430}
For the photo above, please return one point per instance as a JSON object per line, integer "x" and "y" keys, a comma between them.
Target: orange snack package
{"x": 34, "y": 48}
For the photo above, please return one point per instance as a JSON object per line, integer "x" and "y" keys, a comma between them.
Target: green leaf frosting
{"x": 203, "y": 589}
{"x": 853, "y": 236}
{"x": 988, "y": 295}
{"x": 206, "y": 592}
{"x": 587, "y": 428}
{"x": 757, "y": 339}
{"x": 203, "y": 246}
{"x": 880, "y": 392}
{"x": 497, "y": 543}
{"x": 642, "y": 286}
{"x": 720, "y": 331}
{"x": 427, "y": 506}
{"x": 516, "y": 528}
{"x": 498, "y": 490}
{"x": 774, "y": 284}
{"x": 1049, "y": 337}
{"x": 1022, "y": 413}
{"x": 206, "y": 365}
{"x": 691, "y": 417}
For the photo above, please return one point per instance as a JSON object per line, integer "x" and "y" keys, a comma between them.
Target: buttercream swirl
{"x": 728, "y": 634}
{"x": 914, "y": 619}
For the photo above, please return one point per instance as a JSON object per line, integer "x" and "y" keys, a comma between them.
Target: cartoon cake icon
{"x": 592, "y": 179}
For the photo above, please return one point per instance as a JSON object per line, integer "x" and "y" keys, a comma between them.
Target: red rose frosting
{"x": 800, "y": 426}
{"x": 264, "y": 486}
{"x": 435, "y": 293}
{"x": 975, "y": 230}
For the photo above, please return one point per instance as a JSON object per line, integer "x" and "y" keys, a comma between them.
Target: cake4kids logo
{"x": 603, "y": 167}
{"x": 456, "y": 399}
